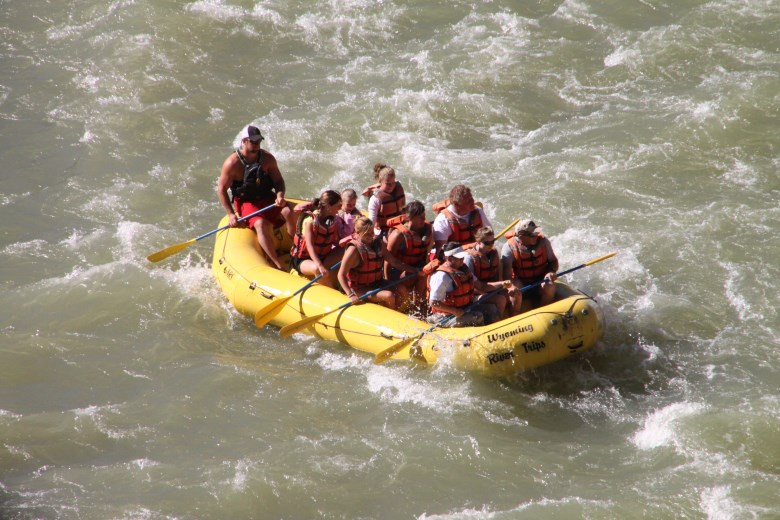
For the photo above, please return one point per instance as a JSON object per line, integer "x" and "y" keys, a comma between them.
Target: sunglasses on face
{"x": 488, "y": 242}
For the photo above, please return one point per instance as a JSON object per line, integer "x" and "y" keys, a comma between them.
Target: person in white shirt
{"x": 459, "y": 220}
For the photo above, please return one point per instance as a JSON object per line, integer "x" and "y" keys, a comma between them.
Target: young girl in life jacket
{"x": 410, "y": 239}
{"x": 362, "y": 267}
{"x": 348, "y": 213}
{"x": 387, "y": 197}
{"x": 315, "y": 244}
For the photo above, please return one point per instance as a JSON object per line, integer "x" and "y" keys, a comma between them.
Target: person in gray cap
{"x": 528, "y": 257}
{"x": 255, "y": 182}
{"x": 451, "y": 289}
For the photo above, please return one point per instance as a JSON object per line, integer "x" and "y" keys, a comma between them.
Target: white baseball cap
{"x": 252, "y": 133}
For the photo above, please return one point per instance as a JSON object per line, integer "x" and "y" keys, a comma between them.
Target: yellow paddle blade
{"x": 168, "y": 251}
{"x": 292, "y": 328}
{"x": 387, "y": 353}
{"x": 600, "y": 259}
{"x": 270, "y": 311}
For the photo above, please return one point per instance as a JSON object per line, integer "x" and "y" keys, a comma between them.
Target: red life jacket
{"x": 325, "y": 237}
{"x": 370, "y": 268}
{"x": 463, "y": 232}
{"x": 463, "y": 294}
{"x": 529, "y": 265}
{"x": 414, "y": 250}
{"x": 390, "y": 205}
{"x": 485, "y": 264}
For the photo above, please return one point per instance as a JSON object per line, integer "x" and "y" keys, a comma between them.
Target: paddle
{"x": 386, "y": 354}
{"x": 389, "y": 352}
{"x": 292, "y": 328}
{"x": 567, "y": 271}
{"x": 172, "y": 250}
{"x": 506, "y": 229}
{"x": 270, "y": 311}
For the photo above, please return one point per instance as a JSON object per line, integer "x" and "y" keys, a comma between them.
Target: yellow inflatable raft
{"x": 538, "y": 337}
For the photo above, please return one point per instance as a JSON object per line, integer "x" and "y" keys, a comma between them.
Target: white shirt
{"x": 441, "y": 228}
{"x": 441, "y": 283}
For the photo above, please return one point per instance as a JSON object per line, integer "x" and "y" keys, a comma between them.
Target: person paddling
{"x": 484, "y": 262}
{"x": 528, "y": 257}
{"x": 255, "y": 182}
{"x": 452, "y": 288}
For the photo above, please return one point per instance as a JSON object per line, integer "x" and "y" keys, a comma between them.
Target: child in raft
{"x": 362, "y": 267}
{"x": 387, "y": 197}
{"x": 348, "y": 213}
{"x": 315, "y": 244}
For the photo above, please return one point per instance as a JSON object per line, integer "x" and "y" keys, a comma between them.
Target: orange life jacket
{"x": 370, "y": 268}
{"x": 415, "y": 248}
{"x": 437, "y": 207}
{"x": 394, "y": 221}
{"x": 430, "y": 267}
{"x": 485, "y": 264}
{"x": 529, "y": 265}
{"x": 463, "y": 232}
{"x": 390, "y": 205}
{"x": 325, "y": 237}
{"x": 463, "y": 294}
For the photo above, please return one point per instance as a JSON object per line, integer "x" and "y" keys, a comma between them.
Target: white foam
{"x": 542, "y": 507}
{"x": 400, "y": 387}
{"x": 218, "y": 10}
{"x": 216, "y": 115}
{"x": 659, "y": 427}
{"x": 35, "y": 248}
{"x": 88, "y": 137}
{"x": 741, "y": 173}
{"x": 241, "y": 468}
{"x": 621, "y": 56}
{"x": 734, "y": 281}
{"x": 6, "y": 199}
{"x": 717, "y": 503}
{"x": 78, "y": 240}
{"x": 9, "y": 414}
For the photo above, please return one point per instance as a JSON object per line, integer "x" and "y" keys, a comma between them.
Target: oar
{"x": 515, "y": 221}
{"x": 386, "y": 354}
{"x": 292, "y": 328}
{"x": 172, "y": 250}
{"x": 389, "y": 352}
{"x": 567, "y": 271}
{"x": 270, "y": 311}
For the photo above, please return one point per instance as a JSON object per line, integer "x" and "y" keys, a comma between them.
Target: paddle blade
{"x": 168, "y": 251}
{"x": 270, "y": 311}
{"x": 386, "y": 354}
{"x": 600, "y": 259}
{"x": 292, "y": 328}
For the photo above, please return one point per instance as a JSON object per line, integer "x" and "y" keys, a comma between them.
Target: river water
{"x": 131, "y": 390}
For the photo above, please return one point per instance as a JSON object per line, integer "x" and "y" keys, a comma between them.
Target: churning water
{"x": 131, "y": 390}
